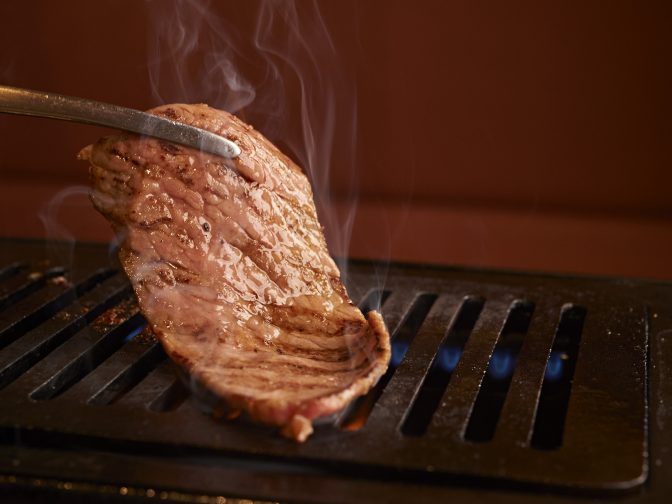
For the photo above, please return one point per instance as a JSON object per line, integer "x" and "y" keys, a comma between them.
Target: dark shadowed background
{"x": 522, "y": 134}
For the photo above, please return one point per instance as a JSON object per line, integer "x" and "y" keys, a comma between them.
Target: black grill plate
{"x": 89, "y": 399}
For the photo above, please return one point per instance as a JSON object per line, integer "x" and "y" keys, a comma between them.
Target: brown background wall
{"x": 526, "y": 134}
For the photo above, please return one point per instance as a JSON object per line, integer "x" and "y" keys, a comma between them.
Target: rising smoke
{"x": 282, "y": 74}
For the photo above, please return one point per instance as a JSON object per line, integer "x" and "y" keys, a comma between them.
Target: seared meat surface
{"x": 231, "y": 270}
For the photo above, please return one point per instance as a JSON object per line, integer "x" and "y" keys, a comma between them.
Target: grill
{"x": 503, "y": 387}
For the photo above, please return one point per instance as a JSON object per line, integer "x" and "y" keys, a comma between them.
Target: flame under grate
{"x": 493, "y": 378}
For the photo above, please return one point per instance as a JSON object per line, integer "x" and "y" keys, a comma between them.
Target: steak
{"x": 231, "y": 270}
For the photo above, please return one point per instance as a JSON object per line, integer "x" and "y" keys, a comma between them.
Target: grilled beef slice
{"x": 231, "y": 269}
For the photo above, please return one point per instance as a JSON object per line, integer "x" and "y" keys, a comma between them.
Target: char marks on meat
{"x": 231, "y": 269}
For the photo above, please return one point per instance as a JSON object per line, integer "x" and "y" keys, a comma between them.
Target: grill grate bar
{"x": 559, "y": 374}
{"x": 117, "y": 374}
{"x": 21, "y": 287}
{"x": 357, "y": 414}
{"x": 373, "y": 300}
{"x": 441, "y": 369}
{"x": 37, "y": 309}
{"x": 390, "y": 410}
{"x": 396, "y": 308}
{"x": 497, "y": 380}
{"x": 33, "y": 346}
{"x": 153, "y": 387}
{"x": 518, "y": 412}
{"x": 78, "y": 344}
{"x": 88, "y": 360}
{"x": 10, "y": 270}
{"x": 137, "y": 369}
{"x": 172, "y": 398}
{"x": 452, "y": 416}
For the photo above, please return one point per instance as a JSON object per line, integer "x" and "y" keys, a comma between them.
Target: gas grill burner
{"x": 502, "y": 387}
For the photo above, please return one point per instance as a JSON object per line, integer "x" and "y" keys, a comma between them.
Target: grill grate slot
{"x": 151, "y": 388}
{"x": 10, "y": 270}
{"x": 444, "y": 362}
{"x": 133, "y": 348}
{"x": 557, "y": 385}
{"x": 35, "y": 313}
{"x": 395, "y": 309}
{"x": 130, "y": 376}
{"x": 171, "y": 398}
{"x": 451, "y": 417}
{"x": 87, "y": 361}
{"x": 373, "y": 300}
{"x": 40, "y": 341}
{"x": 490, "y": 398}
{"x": 410, "y": 327}
{"x": 356, "y": 415}
{"x": 19, "y": 288}
{"x": 518, "y": 412}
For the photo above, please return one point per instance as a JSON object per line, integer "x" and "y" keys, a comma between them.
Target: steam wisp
{"x": 285, "y": 77}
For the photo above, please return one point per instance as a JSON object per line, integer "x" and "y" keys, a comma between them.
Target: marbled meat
{"x": 231, "y": 269}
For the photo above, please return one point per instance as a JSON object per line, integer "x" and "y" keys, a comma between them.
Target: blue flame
{"x": 399, "y": 349}
{"x": 449, "y": 356}
{"x": 134, "y": 332}
{"x": 501, "y": 364}
{"x": 555, "y": 365}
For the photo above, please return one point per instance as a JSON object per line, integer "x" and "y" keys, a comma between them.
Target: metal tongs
{"x": 37, "y": 103}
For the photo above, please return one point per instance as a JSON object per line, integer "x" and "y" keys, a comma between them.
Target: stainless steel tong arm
{"x": 39, "y": 104}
